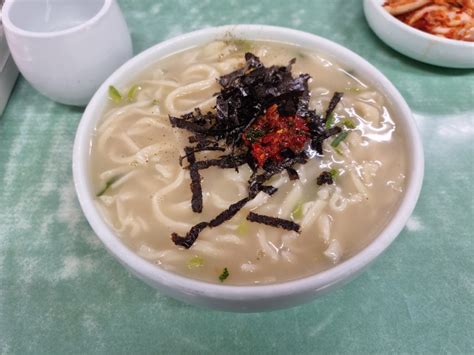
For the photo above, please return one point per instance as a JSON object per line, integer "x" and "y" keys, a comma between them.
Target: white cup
{"x": 66, "y": 48}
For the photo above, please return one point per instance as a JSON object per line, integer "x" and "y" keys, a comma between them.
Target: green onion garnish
{"x": 334, "y": 173}
{"x": 338, "y": 151}
{"x": 225, "y": 274}
{"x": 297, "y": 212}
{"x": 195, "y": 261}
{"x": 114, "y": 94}
{"x": 133, "y": 92}
{"x": 243, "y": 228}
{"x": 353, "y": 89}
{"x": 340, "y": 137}
{"x": 108, "y": 184}
{"x": 242, "y": 44}
{"x": 155, "y": 102}
{"x": 349, "y": 123}
{"x": 330, "y": 121}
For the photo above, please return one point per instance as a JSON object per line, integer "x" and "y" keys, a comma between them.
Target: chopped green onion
{"x": 349, "y": 123}
{"x": 108, "y": 184}
{"x": 330, "y": 121}
{"x": 340, "y": 137}
{"x": 195, "y": 262}
{"x": 242, "y": 44}
{"x": 114, "y": 94}
{"x": 297, "y": 212}
{"x": 225, "y": 274}
{"x": 243, "y": 228}
{"x": 155, "y": 102}
{"x": 338, "y": 151}
{"x": 334, "y": 173}
{"x": 133, "y": 92}
{"x": 353, "y": 89}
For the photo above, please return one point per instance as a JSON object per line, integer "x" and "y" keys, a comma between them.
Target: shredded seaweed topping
{"x": 228, "y": 213}
{"x": 333, "y": 103}
{"x": 197, "y": 149}
{"x": 188, "y": 240}
{"x": 269, "y": 190}
{"x": 223, "y": 162}
{"x": 292, "y": 173}
{"x": 262, "y": 119}
{"x": 325, "y": 177}
{"x": 274, "y": 222}
{"x": 196, "y": 189}
{"x": 245, "y": 96}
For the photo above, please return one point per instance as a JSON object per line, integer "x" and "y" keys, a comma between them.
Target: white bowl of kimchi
{"x": 446, "y": 37}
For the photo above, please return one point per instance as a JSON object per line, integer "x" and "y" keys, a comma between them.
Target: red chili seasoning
{"x": 272, "y": 133}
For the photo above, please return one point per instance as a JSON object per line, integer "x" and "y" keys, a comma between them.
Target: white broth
{"x": 135, "y": 154}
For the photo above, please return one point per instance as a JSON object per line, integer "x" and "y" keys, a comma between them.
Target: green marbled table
{"x": 61, "y": 292}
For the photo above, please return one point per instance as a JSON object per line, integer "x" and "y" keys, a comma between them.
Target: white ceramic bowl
{"x": 245, "y": 298}
{"x": 417, "y": 44}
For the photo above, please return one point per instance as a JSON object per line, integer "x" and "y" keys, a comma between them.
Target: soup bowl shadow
{"x": 250, "y": 298}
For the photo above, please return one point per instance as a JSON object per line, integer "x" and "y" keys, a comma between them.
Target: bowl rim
{"x": 166, "y": 279}
{"x": 11, "y": 27}
{"x": 413, "y": 31}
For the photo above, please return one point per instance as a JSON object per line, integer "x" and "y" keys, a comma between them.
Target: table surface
{"x": 60, "y": 291}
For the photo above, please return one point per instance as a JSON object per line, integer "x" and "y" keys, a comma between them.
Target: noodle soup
{"x": 144, "y": 192}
